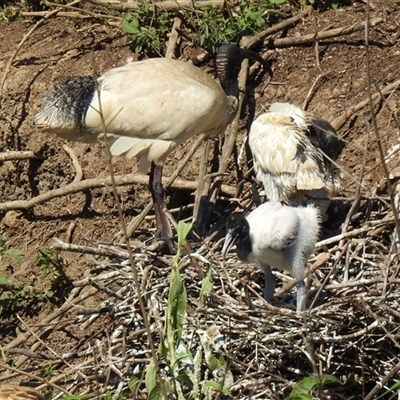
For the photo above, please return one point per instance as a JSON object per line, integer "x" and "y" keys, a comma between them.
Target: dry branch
{"x": 18, "y": 155}
{"x": 164, "y": 5}
{"x": 339, "y": 122}
{"x": 94, "y": 183}
{"x": 287, "y": 23}
{"x": 322, "y": 35}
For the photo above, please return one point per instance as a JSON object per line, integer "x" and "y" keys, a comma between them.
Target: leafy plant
{"x": 216, "y": 27}
{"x": 51, "y": 264}
{"x": 303, "y": 390}
{"x": 7, "y": 251}
{"x": 49, "y": 371}
{"x": 148, "y": 26}
{"x": 12, "y": 291}
{"x": 182, "y": 368}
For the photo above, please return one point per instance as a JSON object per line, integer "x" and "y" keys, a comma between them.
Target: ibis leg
{"x": 163, "y": 227}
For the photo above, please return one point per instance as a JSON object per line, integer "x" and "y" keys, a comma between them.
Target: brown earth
{"x": 59, "y": 49}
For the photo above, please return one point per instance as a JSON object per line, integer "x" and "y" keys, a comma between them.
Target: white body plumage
{"x": 149, "y": 108}
{"x": 291, "y": 167}
{"x": 275, "y": 236}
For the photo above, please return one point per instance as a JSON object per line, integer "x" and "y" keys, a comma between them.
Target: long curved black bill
{"x": 251, "y": 55}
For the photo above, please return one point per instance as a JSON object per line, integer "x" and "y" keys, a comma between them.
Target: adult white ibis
{"x": 275, "y": 236}
{"x": 293, "y": 154}
{"x": 147, "y": 109}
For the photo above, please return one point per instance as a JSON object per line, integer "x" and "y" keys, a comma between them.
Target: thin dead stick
{"x": 357, "y": 199}
{"x": 39, "y": 340}
{"x": 339, "y": 122}
{"x": 18, "y": 155}
{"x": 335, "y": 264}
{"x": 69, "y": 303}
{"x": 337, "y": 238}
{"x": 312, "y": 89}
{"x": 75, "y": 163}
{"x": 173, "y": 38}
{"x": 115, "y": 21}
{"x": 287, "y": 23}
{"x": 79, "y": 11}
{"x": 335, "y": 339}
{"x": 102, "y": 250}
{"x": 393, "y": 372}
{"x": 22, "y": 42}
{"x": 322, "y": 35}
{"x": 164, "y": 5}
{"x": 358, "y": 283}
{"x": 36, "y": 377}
{"x": 323, "y": 259}
{"x": 368, "y": 23}
{"x": 99, "y": 183}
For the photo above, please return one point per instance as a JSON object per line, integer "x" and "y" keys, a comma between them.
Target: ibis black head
{"x": 228, "y": 60}
{"x": 237, "y": 232}
{"x": 323, "y": 135}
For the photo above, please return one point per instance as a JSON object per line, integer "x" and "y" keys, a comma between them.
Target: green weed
{"x": 14, "y": 291}
{"x": 303, "y": 390}
{"x": 208, "y": 27}
{"x": 180, "y": 369}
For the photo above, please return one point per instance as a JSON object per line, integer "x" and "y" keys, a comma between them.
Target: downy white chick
{"x": 275, "y": 236}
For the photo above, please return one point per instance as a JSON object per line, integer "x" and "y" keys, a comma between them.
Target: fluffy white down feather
{"x": 285, "y": 161}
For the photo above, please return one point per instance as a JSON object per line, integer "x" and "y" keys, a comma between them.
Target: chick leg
{"x": 301, "y": 296}
{"x": 269, "y": 282}
{"x": 163, "y": 227}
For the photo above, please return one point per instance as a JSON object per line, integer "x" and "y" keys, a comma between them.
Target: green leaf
{"x": 183, "y": 230}
{"x": 206, "y": 286}
{"x": 150, "y": 379}
{"x": 4, "y": 281}
{"x": 176, "y": 309}
{"x": 15, "y": 254}
{"x": 156, "y": 393}
{"x": 184, "y": 355}
{"x": 134, "y": 382}
{"x": 218, "y": 387}
{"x": 302, "y": 390}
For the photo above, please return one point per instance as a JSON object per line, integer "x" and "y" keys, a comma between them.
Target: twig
{"x": 393, "y": 372}
{"x": 163, "y": 5}
{"x": 36, "y": 377}
{"x": 322, "y": 35}
{"x": 102, "y": 182}
{"x": 311, "y": 91}
{"x": 18, "y": 155}
{"x": 339, "y": 122}
{"x": 173, "y": 37}
{"x": 287, "y": 23}
{"x": 116, "y": 21}
{"x": 107, "y": 251}
{"x": 75, "y": 163}
{"x": 323, "y": 259}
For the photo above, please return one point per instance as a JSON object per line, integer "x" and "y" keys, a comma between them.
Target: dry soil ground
{"x": 352, "y": 330}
